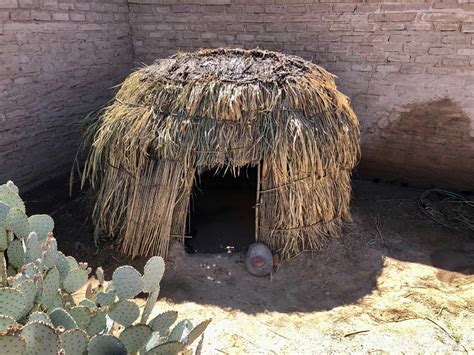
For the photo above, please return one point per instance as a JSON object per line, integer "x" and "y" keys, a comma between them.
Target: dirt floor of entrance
{"x": 396, "y": 282}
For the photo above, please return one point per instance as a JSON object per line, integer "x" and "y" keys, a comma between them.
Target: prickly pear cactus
{"x": 75, "y": 279}
{"x": 170, "y": 347}
{"x": 12, "y": 344}
{"x": 153, "y": 273}
{"x": 16, "y": 253}
{"x": 5, "y": 322}
{"x": 81, "y": 315}
{"x": 39, "y": 315}
{"x": 40, "y": 338}
{"x": 50, "y": 287}
{"x": 17, "y": 222}
{"x": 105, "y": 344}
{"x": 33, "y": 248}
{"x": 4, "y": 209}
{"x": 97, "y": 324}
{"x": 12, "y": 302}
{"x": 162, "y": 322}
{"x": 74, "y": 342}
{"x": 135, "y": 336}
{"x": 106, "y": 298}
{"x": 28, "y": 289}
{"x": 61, "y": 318}
{"x": 42, "y": 224}
{"x": 127, "y": 282}
{"x": 124, "y": 312}
{"x": 100, "y": 275}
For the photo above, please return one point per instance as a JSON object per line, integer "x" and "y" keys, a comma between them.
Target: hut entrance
{"x": 222, "y": 216}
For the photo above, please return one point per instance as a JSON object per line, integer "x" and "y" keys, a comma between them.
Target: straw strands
{"x": 225, "y": 109}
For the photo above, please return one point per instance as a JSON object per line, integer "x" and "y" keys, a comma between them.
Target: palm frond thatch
{"x": 224, "y": 108}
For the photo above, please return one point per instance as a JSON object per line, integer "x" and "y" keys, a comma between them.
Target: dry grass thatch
{"x": 224, "y": 108}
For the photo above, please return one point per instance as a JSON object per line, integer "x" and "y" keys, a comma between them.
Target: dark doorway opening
{"x": 222, "y": 211}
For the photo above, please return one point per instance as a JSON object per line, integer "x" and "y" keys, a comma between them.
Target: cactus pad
{"x": 150, "y": 304}
{"x": 73, "y": 264}
{"x": 30, "y": 270}
{"x": 82, "y": 315}
{"x": 4, "y": 209}
{"x": 5, "y": 321}
{"x": 4, "y": 188}
{"x": 106, "y": 298}
{"x": 61, "y": 263}
{"x": 18, "y": 279}
{"x": 152, "y": 274}
{"x": 17, "y": 222}
{"x": 49, "y": 296}
{"x": 181, "y": 331}
{"x": 12, "y": 199}
{"x": 51, "y": 244}
{"x": 66, "y": 299}
{"x": 33, "y": 248}
{"x": 124, "y": 312}
{"x": 127, "y": 282}
{"x": 97, "y": 324}
{"x": 75, "y": 279}
{"x": 162, "y": 322}
{"x": 87, "y": 303}
{"x": 51, "y": 253}
{"x": 106, "y": 344}
{"x": 61, "y": 317}
{"x": 12, "y": 345}
{"x": 12, "y": 302}
{"x": 154, "y": 341}
{"x": 10, "y": 185}
{"x": 42, "y": 224}
{"x": 74, "y": 342}
{"x": 3, "y": 239}
{"x": 197, "y": 331}
{"x": 28, "y": 290}
{"x": 99, "y": 272}
{"x": 16, "y": 253}
{"x": 135, "y": 337}
{"x": 40, "y": 316}
{"x": 3, "y": 269}
{"x": 40, "y": 338}
{"x": 171, "y": 347}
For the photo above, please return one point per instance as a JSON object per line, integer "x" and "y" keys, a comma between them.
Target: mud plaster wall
{"x": 58, "y": 61}
{"x": 408, "y": 67}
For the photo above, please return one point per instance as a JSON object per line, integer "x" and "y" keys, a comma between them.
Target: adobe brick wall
{"x": 408, "y": 67}
{"x": 58, "y": 61}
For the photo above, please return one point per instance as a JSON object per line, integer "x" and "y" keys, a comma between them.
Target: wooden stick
{"x": 257, "y": 203}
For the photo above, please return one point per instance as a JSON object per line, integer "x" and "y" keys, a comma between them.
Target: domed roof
{"x": 233, "y": 66}
{"x": 233, "y": 85}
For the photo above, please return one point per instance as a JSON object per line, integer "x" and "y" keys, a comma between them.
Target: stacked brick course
{"x": 58, "y": 61}
{"x": 407, "y": 65}
{"x": 390, "y": 58}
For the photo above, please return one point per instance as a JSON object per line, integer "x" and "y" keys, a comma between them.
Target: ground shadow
{"x": 387, "y": 223}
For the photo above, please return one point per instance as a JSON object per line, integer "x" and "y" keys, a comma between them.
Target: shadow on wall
{"x": 429, "y": 144}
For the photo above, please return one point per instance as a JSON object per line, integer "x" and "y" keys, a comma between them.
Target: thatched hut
{"x": 225, "y": 109}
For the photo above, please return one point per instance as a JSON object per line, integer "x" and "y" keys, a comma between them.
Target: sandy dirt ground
{"x": 396, "y": 282}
